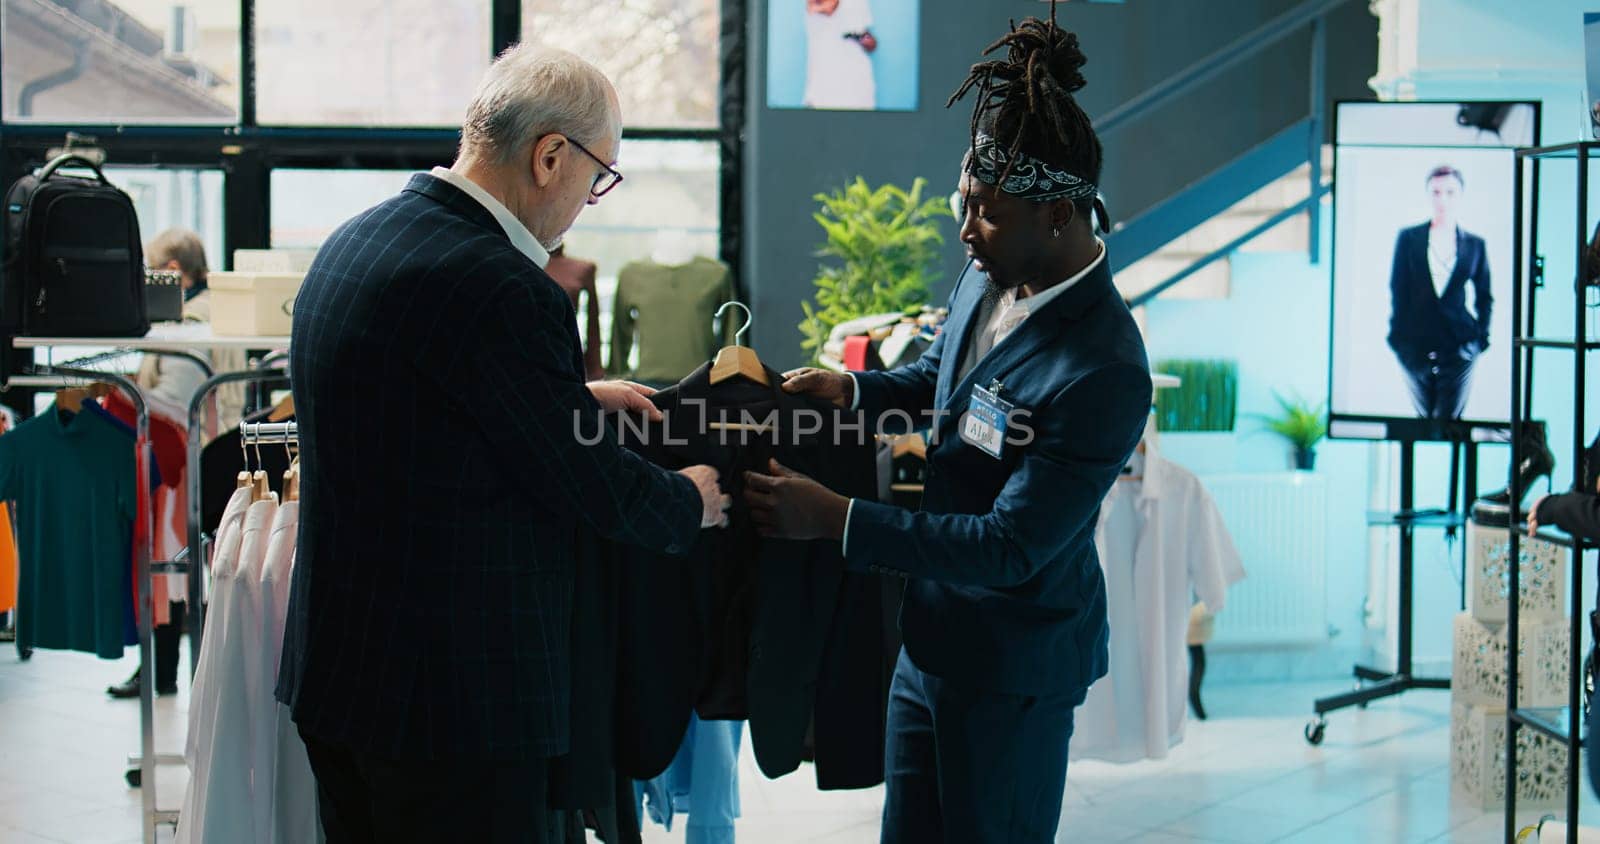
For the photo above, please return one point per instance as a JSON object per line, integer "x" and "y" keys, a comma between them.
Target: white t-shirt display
{"x": 838, "y": 70}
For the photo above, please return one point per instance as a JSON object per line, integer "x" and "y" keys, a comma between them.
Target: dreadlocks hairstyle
{"x": 1025, "y": 101}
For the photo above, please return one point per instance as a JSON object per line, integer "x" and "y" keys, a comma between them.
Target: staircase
{"x": 1269, "y": 198}
{"x": 1273, "y": 218}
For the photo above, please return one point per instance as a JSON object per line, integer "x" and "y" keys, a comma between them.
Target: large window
{"x": 669, "y": 204}
{"x": 661, "y": 54}
{"x": 167, "y": 198}
{"x": 349, "y": 99}
{"x": 115, "y": 61}
{"x": 307, "y": 205}
{"x": 369, "y": 62}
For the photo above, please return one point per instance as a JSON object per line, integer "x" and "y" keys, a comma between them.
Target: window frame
{"x": 247, "y": 152}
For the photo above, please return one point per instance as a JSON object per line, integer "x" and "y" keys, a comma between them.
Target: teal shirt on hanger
{"x": 73, "y": 482}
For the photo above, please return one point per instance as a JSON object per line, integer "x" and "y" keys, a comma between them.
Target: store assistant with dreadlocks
{"x": 1043, "y": 380}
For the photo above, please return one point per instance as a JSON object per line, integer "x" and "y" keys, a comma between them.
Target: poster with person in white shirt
{"x": 843, "y": 55}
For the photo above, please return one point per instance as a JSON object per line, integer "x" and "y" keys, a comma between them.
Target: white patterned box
{"x": 1478, "y": 667}
{"x": 1543, "y": 575}
{"x": 1478, "y": 760}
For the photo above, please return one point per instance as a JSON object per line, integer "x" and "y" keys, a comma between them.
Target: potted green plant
{"x": 884, "y": 246}
{"x": 1303, "y": 425}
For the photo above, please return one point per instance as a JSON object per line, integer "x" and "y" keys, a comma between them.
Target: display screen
{"x": 1423, "y": 228}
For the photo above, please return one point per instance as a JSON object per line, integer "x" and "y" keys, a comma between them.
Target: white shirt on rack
{"x": 1162, "y": 544}
{"x": 521, "y": 238}
{"x": 216, "y": 804}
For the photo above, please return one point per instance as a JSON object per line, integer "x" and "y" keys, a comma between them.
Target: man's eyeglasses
{"x": 604, "y": 181}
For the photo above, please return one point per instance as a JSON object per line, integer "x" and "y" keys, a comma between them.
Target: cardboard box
{"x": 253, "y": 304}
{"x": 273, "y": 260}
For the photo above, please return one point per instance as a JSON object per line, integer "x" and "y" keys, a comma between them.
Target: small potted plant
{"x": 1303, "y": 425}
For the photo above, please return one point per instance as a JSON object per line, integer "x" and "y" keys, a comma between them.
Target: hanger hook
{"x": 261, "y": 465}
{"x": 738, "y": 336}
{"x": 244, "y": 444}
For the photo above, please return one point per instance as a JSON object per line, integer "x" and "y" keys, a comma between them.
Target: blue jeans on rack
{"x": 702, "y": 782}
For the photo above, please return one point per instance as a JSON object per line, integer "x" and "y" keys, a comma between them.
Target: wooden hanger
{"x": 71, "y": 399}
{"x": 738, "y": 360}
{"x": 912, "y": 444}
{"x": 262, "y": 488}
{"x": 282, "y": 410}
{"x": 291, "y": 478}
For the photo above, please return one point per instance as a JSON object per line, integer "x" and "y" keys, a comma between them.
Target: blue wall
{"x": 1276, "y": 325}
{"x": 897, "y": 25}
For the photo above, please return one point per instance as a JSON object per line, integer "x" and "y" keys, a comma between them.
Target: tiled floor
{"x": 1245, "y": 776}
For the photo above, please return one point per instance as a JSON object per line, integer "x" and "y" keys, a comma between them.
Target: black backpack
{"x": 74, "y": 265}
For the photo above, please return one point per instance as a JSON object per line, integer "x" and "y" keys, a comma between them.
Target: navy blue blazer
{"x": 1423, "y": 321}
{"x": 437, "y": 378}
{"x": 1005, "y": 587}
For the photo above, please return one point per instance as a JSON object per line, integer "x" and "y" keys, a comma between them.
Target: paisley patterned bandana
{"x": 1030, "y": 178}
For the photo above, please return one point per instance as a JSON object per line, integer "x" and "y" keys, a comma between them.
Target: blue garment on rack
{"x": 702, "y": 782}
{"x": 130, "y": 616}
{"x": 74, "y": 481}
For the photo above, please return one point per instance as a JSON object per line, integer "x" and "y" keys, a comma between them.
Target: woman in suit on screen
{"x": 1439, "y": 285}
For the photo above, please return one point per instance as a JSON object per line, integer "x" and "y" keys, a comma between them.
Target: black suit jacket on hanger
{"x": 775, "y": 631}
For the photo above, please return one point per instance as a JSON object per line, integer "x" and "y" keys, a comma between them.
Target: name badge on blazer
{"x": 984, "y": 426}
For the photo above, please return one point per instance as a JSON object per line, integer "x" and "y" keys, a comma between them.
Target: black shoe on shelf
{"x": 1494, "y": 509}
{"x": 129, "y": 688}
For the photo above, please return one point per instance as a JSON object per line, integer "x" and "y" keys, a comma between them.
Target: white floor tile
{"x": 1246, "y": 776}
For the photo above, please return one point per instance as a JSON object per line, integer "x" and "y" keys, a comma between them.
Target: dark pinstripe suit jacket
{"x": 437, "y": 374}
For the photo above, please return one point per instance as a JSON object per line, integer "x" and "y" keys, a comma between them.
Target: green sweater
{"x": 667, "y": 312}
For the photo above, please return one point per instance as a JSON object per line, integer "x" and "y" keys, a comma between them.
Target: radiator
{"x": 1279, "y": 523}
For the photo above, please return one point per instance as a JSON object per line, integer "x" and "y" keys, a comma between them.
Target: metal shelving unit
{"x": 1564, "y": 724}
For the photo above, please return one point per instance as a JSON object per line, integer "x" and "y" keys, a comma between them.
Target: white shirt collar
{"x": 521, "y": 238}
{"x": 1039, "y": 300}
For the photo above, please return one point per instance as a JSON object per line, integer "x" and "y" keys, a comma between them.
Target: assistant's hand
{"x": 1533, "y": 515}
{"x": 834, "y": 387}
{"x": 789, "y": 505}
{"x": 713, "y": 504}
{"x": 625, "y": 397}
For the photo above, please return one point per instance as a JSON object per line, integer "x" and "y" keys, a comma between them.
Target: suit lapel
{"x": 1034, "y": 332}
{"x": 1421, "y": 263}
{"x": 963, "y": 317}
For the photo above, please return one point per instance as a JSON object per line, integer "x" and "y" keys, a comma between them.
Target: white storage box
{"x": 1478, "y": 762}
{"x": 1543, "y": 576}
{"x": 273, "y": 260}
{"x": 1478, "y": 670}
{"x": 253, "y": 304}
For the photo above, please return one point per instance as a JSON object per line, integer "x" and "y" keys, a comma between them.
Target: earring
{"x": 1055, "y": 232}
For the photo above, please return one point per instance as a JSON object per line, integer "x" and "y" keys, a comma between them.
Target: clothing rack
{"x": 174, "y": 343}
{"x": 196, "y": 518}
{"x": 65, "y": 376}
{"x": 269, "y": 433}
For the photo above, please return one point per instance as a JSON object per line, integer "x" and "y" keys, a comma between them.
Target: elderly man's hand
{"x": 625, "y": 397}
{"x": 789, "y": 505}
{"x": 713, "y": 503}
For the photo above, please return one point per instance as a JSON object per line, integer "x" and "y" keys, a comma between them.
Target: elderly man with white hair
{"x": 451, "y": 472}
